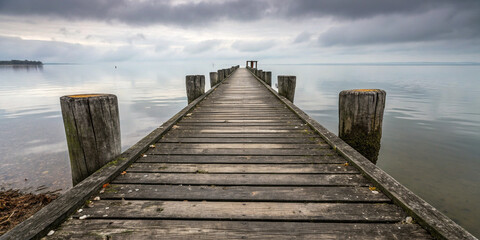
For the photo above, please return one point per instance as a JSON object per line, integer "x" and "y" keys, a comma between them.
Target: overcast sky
{"x": 274, "y": 31}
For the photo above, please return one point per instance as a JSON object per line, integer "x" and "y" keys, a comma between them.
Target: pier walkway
{"x": 243, "y": 163}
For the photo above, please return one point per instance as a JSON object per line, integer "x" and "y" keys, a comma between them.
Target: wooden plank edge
{"x": 55, "y": 213}
{"x": 435, "y": 222}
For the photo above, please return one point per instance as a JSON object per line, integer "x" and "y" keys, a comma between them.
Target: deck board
{"x": 241, "y": 164}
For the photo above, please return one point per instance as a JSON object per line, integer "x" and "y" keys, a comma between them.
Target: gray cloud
{"x": 366, "y": 24}
{"x": 302, "y": 37}
{"x": 252, "y": 46}
{"x": 352, "y": 9}
{"x": 202, "y": 46}
{"x": 203, "y": 13}
{"x": 16, "y": 48}
{"x": 146, "y": 12}
{"x": 440, "y": 24}
{"x": 52, "y": 51}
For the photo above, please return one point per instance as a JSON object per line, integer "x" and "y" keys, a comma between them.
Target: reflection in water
{"x": 22, "y": 67}
{"x": 430, "y": 130}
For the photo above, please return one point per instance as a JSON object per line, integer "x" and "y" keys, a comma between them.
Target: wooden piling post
{"x": 220, "y": 75}
{"x": 260, "y": 74}
{"x": 286, "y": 86}
{"x": 213, "y": 78}
{"x": 267, "y": 78}
{"x": 195, "y": 86}
{"x": 92, "y": 128}
{"x": 360, "y": 120}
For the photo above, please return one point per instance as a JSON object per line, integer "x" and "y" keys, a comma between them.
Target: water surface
{"x": 431, "y": 131}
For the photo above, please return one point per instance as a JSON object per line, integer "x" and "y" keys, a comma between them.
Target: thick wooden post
{"x": 267, "y": 78}
{"x": 220, "y": 76}
{"x": 92, "y": 127}
{"x": 260, "y": 74}
{"x": 213, "y": 78}
{"x": 195, "y": 86}
{"x": 360, "y": 120}
{"x": 286, "y": 86}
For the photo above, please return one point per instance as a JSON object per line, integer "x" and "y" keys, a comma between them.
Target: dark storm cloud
{"x": 137, "y": 12}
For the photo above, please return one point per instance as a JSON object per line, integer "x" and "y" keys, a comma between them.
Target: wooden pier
{"x": 240, "y": 162}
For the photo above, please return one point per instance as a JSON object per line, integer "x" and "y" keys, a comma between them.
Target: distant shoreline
{"x": 21, "y": 62}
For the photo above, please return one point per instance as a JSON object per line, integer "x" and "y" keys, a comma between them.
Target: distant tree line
{"x": 20, "y": 62}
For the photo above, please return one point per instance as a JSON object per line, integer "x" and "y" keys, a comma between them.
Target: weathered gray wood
{"x": 329, "y": 157}
{"x": 260, "y": 74}
{"x": 171, "y": 146}
{"x": 268, "y": 78}
{"x": 241, "y": 168}
{"x": 360, "y": 120}
{"x": 220, "y": 75}
{"x": 286, "y": 86}
{"x": 195, "y": 86}
{"x": 213, "y": 78}
{"x": 239, "y": 140}
{"x": 243, "y": 193}
{"x": 233, "y": 124}
{"x": 248, "y": 151}
{"x": 190, "y": 133}
{"x": 244, "y": 179}
{"x": 425, "y": 214}
{"x": 92, "y": 127}
{"x": 341, "y": 212}
{"x": 101, "y": 229}
{"x": 244, "y": 129}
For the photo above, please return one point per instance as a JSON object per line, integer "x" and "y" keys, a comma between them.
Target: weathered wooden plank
{"x": 226, "y": 116}
{"x": 225, "y": 123}
{"x": 242, "y": 193}
{"x": 282, "y": 211}
{"x": 230, "y": 107}
{"x": 240, "y": 151}
{"x": 241, "y": 168}
{"x": 259, "y": 129}
{"x": 169, "y": 146}
{"x": 244, "y": 179}
{"x": 240, "y": 140}
{"x": 244, "y": 114}
{"x": 197, "y": 134}
{"x": 100, "y": 229}
{"x": 330, "y": 157}
{"x": 239, "y": 131}
{"x": 240, "y": 121}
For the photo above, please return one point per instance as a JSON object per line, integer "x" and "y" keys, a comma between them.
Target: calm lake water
{"x": 431, "y": 131}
